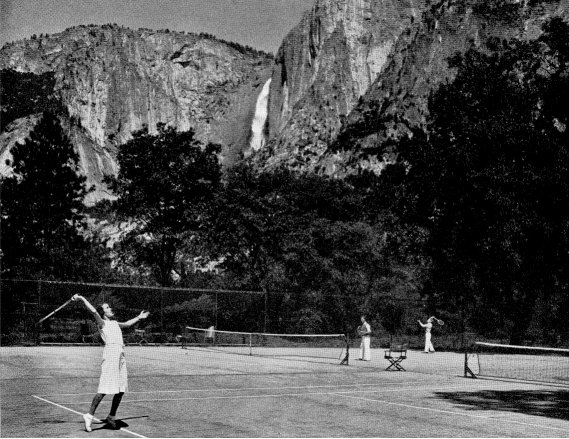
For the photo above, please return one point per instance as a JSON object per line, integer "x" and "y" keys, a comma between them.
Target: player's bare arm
{"x": 91, "y": 308}
{"x": 141, "y": 316}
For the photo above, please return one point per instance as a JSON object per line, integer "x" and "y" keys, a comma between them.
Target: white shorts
{"x": 114, "y": 377}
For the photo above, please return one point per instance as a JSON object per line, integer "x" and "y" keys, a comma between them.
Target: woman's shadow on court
{"x": 119, "y": 423}
{"x": 539, "y": 402}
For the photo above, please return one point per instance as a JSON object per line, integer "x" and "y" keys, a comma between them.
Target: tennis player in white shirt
{"x": 365, "y": 333}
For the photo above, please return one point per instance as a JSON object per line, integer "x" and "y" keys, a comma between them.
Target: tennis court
{"x": 201, "y": 392}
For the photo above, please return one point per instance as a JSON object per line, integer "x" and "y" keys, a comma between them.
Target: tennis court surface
{"x": 198, "y": 392}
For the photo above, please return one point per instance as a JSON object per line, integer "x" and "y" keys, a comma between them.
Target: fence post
{"x": 38, "y": 327}
{"x": 266, "y": 312}
{"x": 161, "y": 315}
{"x": 215, "y": 310}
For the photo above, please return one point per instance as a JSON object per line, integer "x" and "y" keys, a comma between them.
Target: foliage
{"x": 501, "y": 10}
{"x": 316, "y": 241}
{"x": 23, "y": 94}
{"x": 164, "y": 184}
{"x": 194, "y": 310}
{"x": 42, "y": 210}
{"x": 490, "y": 178}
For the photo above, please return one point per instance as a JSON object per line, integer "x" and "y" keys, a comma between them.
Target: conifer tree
{"x": 42, "y": 204}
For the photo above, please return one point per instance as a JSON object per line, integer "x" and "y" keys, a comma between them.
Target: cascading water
{"x": 261, "y": 112}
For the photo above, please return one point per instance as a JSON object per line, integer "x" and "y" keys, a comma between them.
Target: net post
{"x": 346, "y": 359}
{"x": 467, "y": 371}
{"x": 250, "y": 344}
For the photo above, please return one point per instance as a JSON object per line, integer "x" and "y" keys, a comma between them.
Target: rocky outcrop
{"x": 398, "y": 100}
{"x": 324, "y": 66}
{"x": 350, "y": 75}
{"x": 113, "y": 81}
{"x": 355, "y": 72}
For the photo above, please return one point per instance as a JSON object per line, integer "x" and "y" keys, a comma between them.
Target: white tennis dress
{"x": 428, "y": 345}
{"x": 113, "y": 367}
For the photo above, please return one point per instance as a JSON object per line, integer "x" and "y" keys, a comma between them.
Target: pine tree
{"x": 42, "y": 204}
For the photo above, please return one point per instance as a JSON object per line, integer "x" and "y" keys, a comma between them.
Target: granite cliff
{"x": 349, "y": 75}
{"x": 113, "y": 80}
{"x": 354, "y": 72}
{"x": 323, "y": 67}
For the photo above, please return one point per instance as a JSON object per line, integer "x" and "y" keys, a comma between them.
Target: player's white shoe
{"x": 88, "y": 418}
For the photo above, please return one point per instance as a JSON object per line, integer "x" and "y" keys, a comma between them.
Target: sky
{"x": 261, "y": 24}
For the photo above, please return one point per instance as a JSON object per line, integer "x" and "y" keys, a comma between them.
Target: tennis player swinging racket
{"x": 113, "y": 378}
{"x": 428, "y": 326}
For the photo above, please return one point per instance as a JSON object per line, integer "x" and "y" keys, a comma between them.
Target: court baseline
{"x": 81, "y": 414}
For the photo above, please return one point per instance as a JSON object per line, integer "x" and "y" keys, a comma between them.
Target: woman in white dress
{"x": 113, "y": 380}
{"x": 428, "y": 326}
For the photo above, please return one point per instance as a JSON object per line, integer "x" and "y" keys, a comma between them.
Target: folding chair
{"x": 395, "y": 355}
{"x": 141, "y": 334}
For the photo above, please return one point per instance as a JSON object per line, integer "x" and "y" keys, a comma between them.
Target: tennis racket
{"x": 439, "y": 321}
{"x": 53, "y": 312}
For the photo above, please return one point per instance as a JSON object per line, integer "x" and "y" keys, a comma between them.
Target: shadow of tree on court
{"x": 548, "y": 403}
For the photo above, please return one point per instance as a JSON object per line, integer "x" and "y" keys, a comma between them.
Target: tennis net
{"x": 323, "y": 346}
{"x": 527, "y": 363}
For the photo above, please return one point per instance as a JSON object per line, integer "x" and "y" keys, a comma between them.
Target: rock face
{"x": 352, "y": 65}
{"x": 349, "y": 75}
{"x": 397, "y": 100}
{"x": 113, "y": 80}
{"x": 324, "y": 66}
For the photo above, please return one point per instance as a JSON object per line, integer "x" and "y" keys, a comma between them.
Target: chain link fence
{"x": 393, "y": 320}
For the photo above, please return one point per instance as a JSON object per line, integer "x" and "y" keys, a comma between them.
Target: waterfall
{"x": 261, "y": 111}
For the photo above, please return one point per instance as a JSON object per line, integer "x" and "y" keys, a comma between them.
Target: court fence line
{"x": 25, "y": 301}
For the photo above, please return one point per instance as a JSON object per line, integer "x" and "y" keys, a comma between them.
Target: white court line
{"x": 508, "y": 421}
{"x": 201, "y": 389}
{"x": 81, "y": 414}
{"x": 266, "y": 395}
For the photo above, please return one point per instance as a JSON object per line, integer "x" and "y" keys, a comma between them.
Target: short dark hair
{"x": 100, "y": 309}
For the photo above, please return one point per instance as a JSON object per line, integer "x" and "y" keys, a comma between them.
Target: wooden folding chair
{"x": 395, "y": 355}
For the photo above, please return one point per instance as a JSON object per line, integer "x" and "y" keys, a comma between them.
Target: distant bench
{"x": 395, "y": 355}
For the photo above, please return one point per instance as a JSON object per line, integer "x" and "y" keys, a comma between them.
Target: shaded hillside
{"x": 398, "y": 100}
{"x": 23, "y": 94}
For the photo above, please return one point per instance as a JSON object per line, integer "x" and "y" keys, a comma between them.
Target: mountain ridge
{"x": 346, "y": 139}
{"x": 350, "y": 75}
{"x": 113, "y": 81}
